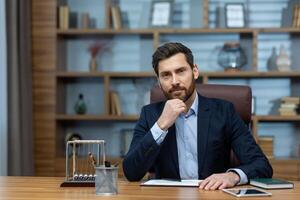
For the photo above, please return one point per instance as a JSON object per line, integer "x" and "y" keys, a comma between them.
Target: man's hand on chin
{"x": 220, "y": 181}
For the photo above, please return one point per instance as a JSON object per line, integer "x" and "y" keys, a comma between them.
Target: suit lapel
{"x": 203, "y": 122}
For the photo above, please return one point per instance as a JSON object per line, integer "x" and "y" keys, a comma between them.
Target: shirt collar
{"x": 193, "y": 109}
{"x": 194, "y": 106}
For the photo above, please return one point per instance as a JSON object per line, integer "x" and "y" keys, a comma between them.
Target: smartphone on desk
{"x": 247, "y": 192}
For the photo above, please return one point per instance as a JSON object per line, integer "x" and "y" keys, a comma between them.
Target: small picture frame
{"x": 235, "y": 15}
{"x": 161, "y": 12}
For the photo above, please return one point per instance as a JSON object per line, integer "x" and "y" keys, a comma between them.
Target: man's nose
{"x": 175, "y": 80}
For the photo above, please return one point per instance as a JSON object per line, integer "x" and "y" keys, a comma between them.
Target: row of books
{"x": 289, "y": 106}
{"x": 296, "y": 16}
{"x": 68, "y": 19}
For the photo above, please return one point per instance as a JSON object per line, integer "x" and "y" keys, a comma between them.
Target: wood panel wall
{"x": 43, "y": 69}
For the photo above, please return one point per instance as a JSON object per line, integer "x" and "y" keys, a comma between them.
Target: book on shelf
{"x": 288, "y": 13}
{"x": 112, "y": 107}
{"x": 294, "y": 100}
{"x": 73, "y": 20}
{"x": 296, "y": 16}
{"x": 289, "y": 106}
{"x": 270, "y": 183}
{"x": 116, "y": 17}
{"x": 85, "y": 20}
{"x": 266, "y": 144}
{"x": 115, "y": 106}
{"x": 295, "y": 13}
{"x": 63, "y": 22}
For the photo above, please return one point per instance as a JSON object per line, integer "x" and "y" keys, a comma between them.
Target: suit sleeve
{"x": 252, "y": 160}
{"x": 142, "y": 152}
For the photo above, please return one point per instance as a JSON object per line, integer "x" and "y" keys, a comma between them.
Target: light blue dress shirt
{"x": 186, "y": 136}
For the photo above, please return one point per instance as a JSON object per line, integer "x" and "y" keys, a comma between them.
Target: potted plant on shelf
{"x": 94, "y": 50}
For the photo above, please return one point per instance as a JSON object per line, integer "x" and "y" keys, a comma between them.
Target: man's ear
{"x": 195, "y": 71}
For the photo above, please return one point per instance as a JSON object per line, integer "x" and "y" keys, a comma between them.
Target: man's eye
{"x": 181, "y": 70}
{"x": 165, "y": 75}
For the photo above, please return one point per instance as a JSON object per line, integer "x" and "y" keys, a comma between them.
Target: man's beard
{"x": 185, "y": 93}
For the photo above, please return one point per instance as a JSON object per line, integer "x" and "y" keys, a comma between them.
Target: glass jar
{"x": 232, "y": 56}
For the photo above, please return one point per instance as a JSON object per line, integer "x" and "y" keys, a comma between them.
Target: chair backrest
{"x": 240, "y": 96}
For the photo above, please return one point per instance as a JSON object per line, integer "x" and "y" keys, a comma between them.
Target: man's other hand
{"x": 170, "y": 113}
{"x": 220, "y": 181}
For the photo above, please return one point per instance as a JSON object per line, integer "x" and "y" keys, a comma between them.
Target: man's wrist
{"x": 235, "y": 176}
{"x": 241, "y": 173}
{"x": 161, "y": 125}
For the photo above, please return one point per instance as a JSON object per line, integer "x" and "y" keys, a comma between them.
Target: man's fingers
{"x": 216, "y": 185}
{"x": 203, "y": 183}
{"x": 210, "y": 184}
{"x": 223, "y": 186}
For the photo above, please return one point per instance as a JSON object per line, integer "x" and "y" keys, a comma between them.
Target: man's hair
{"x": 169, "y": 49}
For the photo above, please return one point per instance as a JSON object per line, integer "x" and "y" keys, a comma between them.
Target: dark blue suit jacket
{"x": 220, "y": 129}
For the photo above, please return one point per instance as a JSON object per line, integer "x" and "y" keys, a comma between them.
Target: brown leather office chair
{"x": 240, "y": 96}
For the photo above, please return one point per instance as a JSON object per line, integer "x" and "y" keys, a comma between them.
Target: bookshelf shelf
{"x": 63, "y": 117}
{"x": 79, "y": 74}
{"x": 131, "y": 74}
{"x": 276, "y": 118}
{"x": 75, "y": 32}
{"x": 241, "y": 74}
{"x": 78, "y": 32}
{"x": 279, "y": 30}
{"x": 104, "y": 74}
{"x": 149, "y": 31}
{"x": 251, "y": 74}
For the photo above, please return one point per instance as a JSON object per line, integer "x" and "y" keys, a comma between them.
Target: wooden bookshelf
{"x": 49, "y": 79}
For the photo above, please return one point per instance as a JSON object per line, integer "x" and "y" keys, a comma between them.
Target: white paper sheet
{"x": 176, "y": 183}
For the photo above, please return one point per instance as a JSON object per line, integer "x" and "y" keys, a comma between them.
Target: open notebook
{"x": 174, "y": 183}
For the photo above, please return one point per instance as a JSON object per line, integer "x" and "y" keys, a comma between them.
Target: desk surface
{"x": 33, "y": 188}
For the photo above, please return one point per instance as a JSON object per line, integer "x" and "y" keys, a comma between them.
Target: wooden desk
{"x": 33, "y": 188}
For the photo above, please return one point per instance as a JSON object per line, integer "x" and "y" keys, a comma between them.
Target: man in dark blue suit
{"x": 190, "y": 136}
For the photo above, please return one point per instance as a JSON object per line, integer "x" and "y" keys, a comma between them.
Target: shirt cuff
{"x": 243, "y": 176}
{"x": 158, "y": 134}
